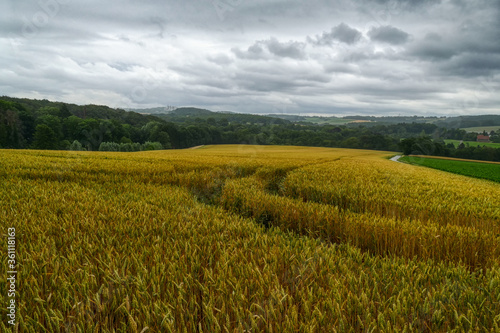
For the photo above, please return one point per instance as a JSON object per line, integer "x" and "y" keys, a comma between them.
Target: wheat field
{"x": 247, "y": 239}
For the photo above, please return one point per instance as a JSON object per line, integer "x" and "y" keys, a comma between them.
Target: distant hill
{"x": 86, "y": 111}
{"x": 43, "y": 124}
{"x": 153, "y": 111}
{"x": 470, "y": 121}
{"x": 190, "y": 114}
{"x": 446, "y": 122}
{"x": 314, "y": 119}
{"x": 176, "y": 111}
{"x": 482, "y": 129}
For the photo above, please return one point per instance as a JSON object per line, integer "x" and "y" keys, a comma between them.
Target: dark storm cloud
{"x": 433, "y": 47}
{"x": 472, "y": 65}
{"x": 467, "y": 49}
{"x": 388, "y": 34}
{"x": 371, "y": 56}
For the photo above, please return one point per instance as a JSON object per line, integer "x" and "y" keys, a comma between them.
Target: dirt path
{"x": 197, "y": 147}
{"x": 396, "y": 158}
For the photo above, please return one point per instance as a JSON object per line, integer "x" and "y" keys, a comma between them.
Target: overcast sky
{"x": 335, "y": 57}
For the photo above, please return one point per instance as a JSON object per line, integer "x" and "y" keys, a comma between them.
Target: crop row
{"x": 377, "y": 234}
{"x": 135, "y": 256}
{"x": 399, "y": 191}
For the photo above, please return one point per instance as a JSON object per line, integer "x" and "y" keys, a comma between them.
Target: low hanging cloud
{"x": 388, "y": 34}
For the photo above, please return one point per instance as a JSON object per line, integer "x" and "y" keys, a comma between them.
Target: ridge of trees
{"x": 41, "y": 124}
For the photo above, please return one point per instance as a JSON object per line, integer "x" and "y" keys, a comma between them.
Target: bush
{"x": 109, "y": 146}
{"x": 76, "y": 145}
{"x": 152, "y": 146}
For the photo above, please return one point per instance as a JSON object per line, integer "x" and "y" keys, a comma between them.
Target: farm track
{"x": 396, "y": 158}
{"x": 196, "y": 147}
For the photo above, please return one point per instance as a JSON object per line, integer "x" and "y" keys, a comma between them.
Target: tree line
{"x": 425, "y": 145}
{"x": 40, "y": 124}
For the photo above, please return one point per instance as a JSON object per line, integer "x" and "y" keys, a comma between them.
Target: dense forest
{"x": 41, "y": 124}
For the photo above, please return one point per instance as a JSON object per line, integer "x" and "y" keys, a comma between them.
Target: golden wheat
{"x": 248, "y": 239}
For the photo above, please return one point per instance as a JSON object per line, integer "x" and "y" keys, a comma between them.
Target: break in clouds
{"x": 382, "y": 57}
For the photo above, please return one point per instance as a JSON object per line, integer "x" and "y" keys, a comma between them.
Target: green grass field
{"x": 474, "y": 143}
{"x": 482, "y": 128}
{"x": 472, "y": 169}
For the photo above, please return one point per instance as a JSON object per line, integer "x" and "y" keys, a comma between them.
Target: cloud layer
{"x": 318, "y": 57}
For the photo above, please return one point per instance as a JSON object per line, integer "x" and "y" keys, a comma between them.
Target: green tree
{"x": 92, "y": 133}
{"x": 48, "y": 111}
{"x": 76, "y": 145}
{"x": 28, "y": 125}
{"x": 126, "y": 147}
{"x": 71, "y": 128}
{"x": 406, "y": 145}
{"x": 64, "y": 111}
{"x": 13, "y": 132}
{"x": 152, "y": 146}
{"x": 124, "y": 139}
{"x": 45, "y": 138}
{"x": 53, "y": 122}
{"x": 353, "y": 142}
{"x": 109, "y": 146}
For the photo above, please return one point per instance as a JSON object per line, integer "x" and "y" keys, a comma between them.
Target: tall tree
{"x": 64, "y": 111}
{"x": 45, "y": 138}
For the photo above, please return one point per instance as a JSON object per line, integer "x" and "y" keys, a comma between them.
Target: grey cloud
{"x": 220, "y": 59}
{"x": 277, "y": 76}
{"x": 409, "y": 4}
{"x": 291, "y": 49}
{"x": 122, "y": 67}
{"x": 478, "y": 36}
{"x": 161, "y": 24}
{"x": 388, "y": 34}
{"x": 341, "y": 32}
{"x": 262, "y": 83}
{"x": 357, "y": 56}
{"x": 336, "y": 67}
{"x": 268, "y": 81}
{"x": 98, "y": 52}
{"x": 472, "y": 65}
{"x": 254, "y": 52}
{"x": 433, "y": 47}
{"x": 458, "y": 48}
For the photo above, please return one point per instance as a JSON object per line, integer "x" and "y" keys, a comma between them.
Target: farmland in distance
{"x": 248, "y": 239}
{"x": 477, "y": 169}
{"x": 456, "y": 143}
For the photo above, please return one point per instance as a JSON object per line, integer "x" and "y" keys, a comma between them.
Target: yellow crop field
{"x": 245, "y": 239}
